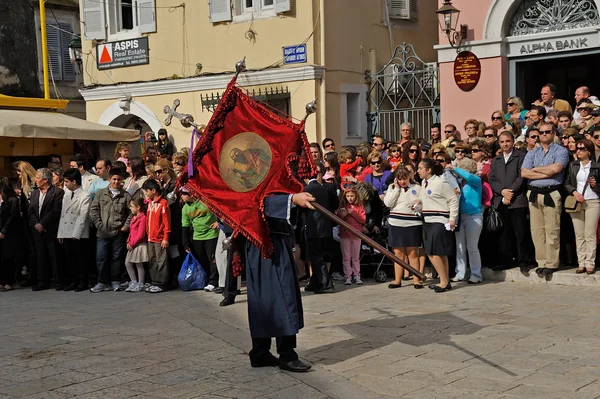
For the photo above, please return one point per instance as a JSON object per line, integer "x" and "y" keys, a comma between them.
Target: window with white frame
{"x": 115, "y": 19}
{"x": 241, "y": 10}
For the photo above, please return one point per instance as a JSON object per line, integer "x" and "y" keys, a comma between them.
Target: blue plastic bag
{"x": 191, "y": 276}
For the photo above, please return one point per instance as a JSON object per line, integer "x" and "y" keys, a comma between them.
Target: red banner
{"x": 244, "y": 155}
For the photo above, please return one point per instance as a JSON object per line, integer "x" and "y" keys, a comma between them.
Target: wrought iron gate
{"x": 406, "y": 89}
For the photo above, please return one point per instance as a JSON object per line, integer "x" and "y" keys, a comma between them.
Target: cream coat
{"x": 74, "y": 217}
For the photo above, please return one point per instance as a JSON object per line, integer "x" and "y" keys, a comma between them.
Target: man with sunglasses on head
{"x": 544, "y": 167}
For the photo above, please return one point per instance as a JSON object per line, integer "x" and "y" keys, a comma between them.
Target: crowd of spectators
{"x": 436, "y": 199}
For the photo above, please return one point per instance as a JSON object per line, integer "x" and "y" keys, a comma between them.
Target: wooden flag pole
{"x": 367, "y": 240}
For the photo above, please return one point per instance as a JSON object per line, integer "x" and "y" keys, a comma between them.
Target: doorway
{"x": 567, "y": 71}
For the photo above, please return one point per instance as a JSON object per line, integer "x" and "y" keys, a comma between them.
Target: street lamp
{"x": 448, "y": 19}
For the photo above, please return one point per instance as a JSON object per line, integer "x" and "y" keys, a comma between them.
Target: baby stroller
{"x": 373, "y": 262}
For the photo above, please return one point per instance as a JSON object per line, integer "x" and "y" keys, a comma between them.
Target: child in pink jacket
{"x": 137, "y": 246}
{"x": 352, "y": 212}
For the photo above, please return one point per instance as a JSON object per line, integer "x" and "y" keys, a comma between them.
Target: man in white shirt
{"x": 79, "y": 162}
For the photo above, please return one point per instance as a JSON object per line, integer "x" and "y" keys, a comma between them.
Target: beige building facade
{"x": 141, "y": 56}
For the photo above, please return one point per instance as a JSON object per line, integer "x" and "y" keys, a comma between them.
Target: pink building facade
{"x": 522, "y": 45}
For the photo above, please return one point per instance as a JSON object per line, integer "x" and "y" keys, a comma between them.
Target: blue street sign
{"x": 294, "y": 54}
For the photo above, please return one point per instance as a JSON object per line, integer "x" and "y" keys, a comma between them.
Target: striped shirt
{"x": 538, "y": 157}
{"x": 400, "y": 201}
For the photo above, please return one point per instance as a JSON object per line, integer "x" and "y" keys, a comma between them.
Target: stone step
{"x": 561, "y": 277}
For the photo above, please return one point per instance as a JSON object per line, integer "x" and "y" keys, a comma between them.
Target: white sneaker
{"x": 358, "y": 281}
{"x": 115, "y": 286}
{"x": 100, "y": 288}
{"x": 209, "y": 288}
{"x": 145, "y": 286}
{"x": 348, "y": 282}
{"x": 337, "y": 276}
{"x": 138, "y": 287}
{"x": 456, "y": 279}
{"x": 474, "y": 280}
{"x": 131, "y": 286}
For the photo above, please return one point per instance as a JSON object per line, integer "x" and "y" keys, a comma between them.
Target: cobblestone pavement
{"x": 496, "y": 340}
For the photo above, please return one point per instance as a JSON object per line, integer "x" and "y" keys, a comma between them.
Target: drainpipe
{"x": 44, "y": 49}
{"x": 322, "y": 103}
{"x": 373, "y": 68}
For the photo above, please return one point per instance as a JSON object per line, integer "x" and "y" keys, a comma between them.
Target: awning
{"x": 53, "y": 125}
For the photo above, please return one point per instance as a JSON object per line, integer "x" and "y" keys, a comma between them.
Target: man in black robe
{"x": 274, "y": 301}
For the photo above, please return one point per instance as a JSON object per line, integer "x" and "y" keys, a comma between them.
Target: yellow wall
{"x": 184, "y": 39}
{"x": 303, "y": 92}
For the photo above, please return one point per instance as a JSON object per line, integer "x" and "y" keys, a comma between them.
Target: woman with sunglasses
{"x": 378, "y": 177}
{"x": 515, "y": 111}
{"x": 498, "y": 120}
{"x": 480, "y": 155}
{"x": 411, "y": 155}
{"x": 462, "y": 150}
{"x": 490, "y": 134}
{"x": 582, "y": 182}
{"x": 179, "y": 163}
{"x": 439, "y": 207}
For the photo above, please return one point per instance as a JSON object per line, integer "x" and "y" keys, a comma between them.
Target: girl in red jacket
{"x": 137, "y": 247}
{"x": 353, "y": 212}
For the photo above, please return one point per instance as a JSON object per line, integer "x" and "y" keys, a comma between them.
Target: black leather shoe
{"x": 524, "y": 270}
{"x": 227, "y": 301}
{"x": 71, "y": 287}
{"x": 418, "y": 286}
{"x": 331, "y": 288}
{"x": 431, "y": 286}
{"x": 439, "y": 289}
{"x": 547, "y": 271}
{"x": 219, "y": 290}
{"x": 540, "y": 271}
{"x": 308, "y": 288}
{"x": 295, "y": 366}
{"x": 59, "y": 287}
{"x": 393, "y": 286}
{"x": 81, "y": 287}
{"x": 268, "y": 361}
{"x": 40, "y": 287}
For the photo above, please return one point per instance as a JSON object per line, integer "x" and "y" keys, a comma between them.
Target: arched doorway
{"x": 554, "y": 41}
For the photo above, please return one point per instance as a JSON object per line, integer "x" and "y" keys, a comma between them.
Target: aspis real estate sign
{"x": 124, "y": 53}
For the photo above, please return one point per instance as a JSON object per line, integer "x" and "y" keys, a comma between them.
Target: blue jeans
{"x": 467, "y": 239}
{"x": 108, "y": 258}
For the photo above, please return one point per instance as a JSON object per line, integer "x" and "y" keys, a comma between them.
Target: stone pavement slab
{"x": 494, "y": 340}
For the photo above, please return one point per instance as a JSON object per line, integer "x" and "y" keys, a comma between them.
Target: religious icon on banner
{"x": 245, "y": 161}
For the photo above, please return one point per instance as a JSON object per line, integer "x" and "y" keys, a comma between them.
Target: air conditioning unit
{"x": 430, "y": 80}
{"x": 404, "y": 9}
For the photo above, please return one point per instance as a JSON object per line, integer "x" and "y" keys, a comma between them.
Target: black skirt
{"x": 438, "y": 240}
{"x": 405, "y": 237}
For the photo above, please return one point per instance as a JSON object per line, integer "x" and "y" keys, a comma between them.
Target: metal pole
{"x": 367, "y": 240}
{"x": 44, "y": 49}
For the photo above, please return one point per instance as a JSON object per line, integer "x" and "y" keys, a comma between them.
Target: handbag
{"x": 492, "y": 220}
{"x": 571, "y": 204}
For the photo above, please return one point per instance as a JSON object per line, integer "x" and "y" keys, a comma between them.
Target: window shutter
{"x": 94, "y": 21}
{"x": 54, "y": 53}
{"x": 282, "y": 5}
{"x": 68, "y": 68}
{"x": 398, "y": 9}
{"x": 220, "y": 10}
{"x": 147, "y": 16}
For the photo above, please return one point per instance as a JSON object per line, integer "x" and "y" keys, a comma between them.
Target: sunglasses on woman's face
{"x": 413, "y": 151}
{"x": 496, "y": 118}
{"x": 581, "y": 149}
{"x": 179, "y": 164}
{"x": 510, "y": 104}
{"x": 461, "y": 152}
{"x": 375, "y": 162}
{"x": 437, "y": 152}
{"x": 158, "y": 171}
{"x": 475, "y": 150}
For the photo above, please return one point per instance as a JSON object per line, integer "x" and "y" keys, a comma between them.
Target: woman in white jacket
{"x": 440, "y": 210}
{"x": 405, "y": 226}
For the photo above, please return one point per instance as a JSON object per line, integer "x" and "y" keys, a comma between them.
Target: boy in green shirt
{"x": 205, "y": 229}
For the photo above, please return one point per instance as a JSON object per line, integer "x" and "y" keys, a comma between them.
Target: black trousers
{"x": 47, "y": 265}
{"x": 515, "y": 239}
{"x": 320, "y": 278}
{"x": 285, "y": 348}
{"x": 8, "y": 267}
{"x": 204, "y": 251}
{"x": 75, "y": 255}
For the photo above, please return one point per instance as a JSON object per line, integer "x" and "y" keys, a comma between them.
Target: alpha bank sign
{"x": 521, "y": 47}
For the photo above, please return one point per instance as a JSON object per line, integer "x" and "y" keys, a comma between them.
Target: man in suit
{"x": 318, "y": 232}
{"x": 44, "y": 216}
{"x": 74, "y": 229}
{"x": 511, "y": 202}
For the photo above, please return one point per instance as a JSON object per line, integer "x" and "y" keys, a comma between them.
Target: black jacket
{"x": 571, "y": 180}
{"x": 49, "y": 216}
{"x": 508, "y": 175}
{"x": 316, "y": 224}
